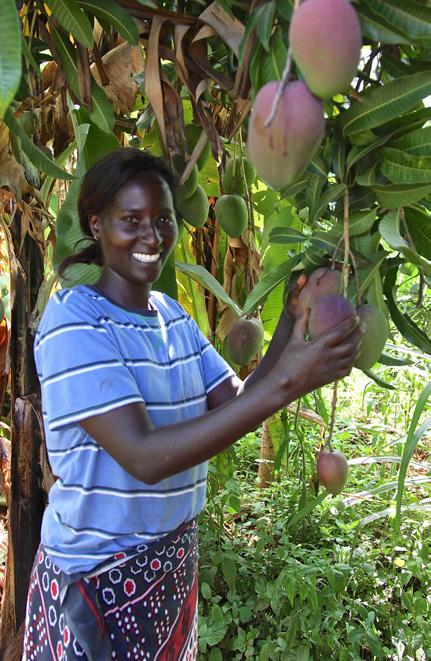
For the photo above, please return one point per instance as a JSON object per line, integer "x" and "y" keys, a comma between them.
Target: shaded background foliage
{"x": 79, "y": 78}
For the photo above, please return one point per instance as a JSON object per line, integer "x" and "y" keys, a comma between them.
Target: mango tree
{"x": 79, "y": 78}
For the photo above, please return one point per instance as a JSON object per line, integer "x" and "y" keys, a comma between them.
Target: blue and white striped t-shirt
{"x": 93, "y": 356}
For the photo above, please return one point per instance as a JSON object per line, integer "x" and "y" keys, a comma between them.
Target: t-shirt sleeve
{"x": 80, "y": 366}
{"x": 215, "y": 368}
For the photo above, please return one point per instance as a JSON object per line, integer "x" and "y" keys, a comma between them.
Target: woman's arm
{"x": 151, "y": 454}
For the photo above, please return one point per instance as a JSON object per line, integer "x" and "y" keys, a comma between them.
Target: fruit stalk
{"x": 283, "y": 82}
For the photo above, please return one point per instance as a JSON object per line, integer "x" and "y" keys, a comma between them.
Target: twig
{"x": 346, "y": 238}
{"x": 328, "y": 442}
{"x": 283, "y": 82}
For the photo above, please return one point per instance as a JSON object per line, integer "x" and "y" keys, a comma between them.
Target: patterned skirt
{"x": 143, "y": 608}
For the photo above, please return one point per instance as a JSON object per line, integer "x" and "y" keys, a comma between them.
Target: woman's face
{"x": 138, "y": 230}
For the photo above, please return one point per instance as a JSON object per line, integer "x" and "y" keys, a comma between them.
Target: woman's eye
{"x": 165, "y": 219}
{"x": 131, "y": 220}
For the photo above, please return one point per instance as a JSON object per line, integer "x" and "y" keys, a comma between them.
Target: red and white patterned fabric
{"x": 145, "y": 606}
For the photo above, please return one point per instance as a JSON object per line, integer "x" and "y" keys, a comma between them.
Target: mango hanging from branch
{"x": 325, "y": 39}
{"x": 281, "y": 150}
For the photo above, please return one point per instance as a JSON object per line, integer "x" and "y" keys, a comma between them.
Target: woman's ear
{"x": 94, "y": 224}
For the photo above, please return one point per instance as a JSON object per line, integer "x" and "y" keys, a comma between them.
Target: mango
{"x": 232, "y": 214}
{"x": 328, "y": 312}
{"x": 281, "y": 151}
{"x": 376, "y": 332}
{"x": 189, "y": 186}
{"x": 193, "y": 133}
{"x": 244, "y": 340}
{"x": 332, "y": 470}
{"x": 194, "y": 209}
{"x": 321, "y": 282}
{"x": 233, "y": 181}
{"x": 325, "y": 39}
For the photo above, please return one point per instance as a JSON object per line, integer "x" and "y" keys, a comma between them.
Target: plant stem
{"x": 283, "y": 82}
{"x": 328, "y": 442}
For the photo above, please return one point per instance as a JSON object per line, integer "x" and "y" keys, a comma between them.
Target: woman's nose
{"x": 149, "y": 232}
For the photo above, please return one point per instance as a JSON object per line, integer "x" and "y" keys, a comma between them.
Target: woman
{"x": 135, "y": 401}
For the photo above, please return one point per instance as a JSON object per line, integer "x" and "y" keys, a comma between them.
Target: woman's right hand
{"x": 304, "y": 365}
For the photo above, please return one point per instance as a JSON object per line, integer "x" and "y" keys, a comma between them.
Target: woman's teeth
{"x": 142, "y": 257}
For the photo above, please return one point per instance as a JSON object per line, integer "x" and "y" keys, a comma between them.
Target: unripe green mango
{"x": 244, "y": 340}
{"x": 194, "y": 209}
{"x": 322, "y": 282}
{"x": 376, "y": 332}
{"x": 328, "y": 312}
{"x": 233, "y": 181}
{"x": 193, "y": 133}
{"x": 189, "y": 186}
{"x": 232, "y": 214}
{"x": 281, "y": 151}
{"x": 325, "y": 38}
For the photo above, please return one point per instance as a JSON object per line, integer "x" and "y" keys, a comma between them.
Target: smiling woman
{"x": 135, "y": 402}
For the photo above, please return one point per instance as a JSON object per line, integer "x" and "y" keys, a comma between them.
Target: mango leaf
{"x": 386, "y": 102}
{"x": 378, "y": 380}
{"x": 377, "y": 29}
{"x": 265, "y": 18}
{"x": 393, "y": 196}
{"x": 286, "y": 235}
{"x": 37, "y": 157}
{"x": 102, "y": 112}
{"x": 294, "y": 189}
{"x": 391, "y": 361}
{"x": 402, "y": 321}
{"x": 314, "y": 188}
{"x": 389, "y": 228}
{"x": 419, "y": 225}
{"x": 412, "y": 440}
{"x": 417, "y": 143}
{"x": 317, "y": 166}
{"x": 411, "y": 19}
{"x": 190, "y": 293}
{"x": 113, "y": 14}
{"x": 368, "y": 177}
{"x": 10, "y": 54}
{"x": 73, "y": 19}
{"x": 321, "y": 245}
{"x": 204, "y": 278}
{"x": 405, "y": 123}
{"x": 267, "y": 282}
{"x": 330, "y": 195}
{"x": 404, "y": 168}
{"x": 370, "y": 274}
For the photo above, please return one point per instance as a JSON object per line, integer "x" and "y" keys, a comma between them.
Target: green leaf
{"x": 229, "y": 572}
{"x": 265, "y": 18}
{"x": 115, "y": 15}
{"x": 412, "y": 19}
{"x": 358, "y": 152}
{"x": 386, "y": 102}
{"x": 402, "y": 321}
{"x": 73, "y": 19}
{"x": 10, "y": 54}
{"x": 419, "y": 225}
{"x": 267, "y": 282}
{"x": 28, "y": 55}
{"x": 417, "y": 143}
{"x": 412, "y": 440}
{"x": 372, "y": 273}
{"x": 378, "y": 380}
{"x": 386, "y": 359}
{"x": 286, "y": 235}
{"x": 389, "y": 228}
{"x": 377, "y": 29}
{"x": 330, "y": 195}
{"x": 37, "y": 157}
{"x": 204, "y": 278}
{"x": 404, "y": 168}
{"x": 393, "y": 196}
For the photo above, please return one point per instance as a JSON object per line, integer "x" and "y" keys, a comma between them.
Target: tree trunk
{"x": 27, "y": 498}
{"x": 265, "y": 472}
